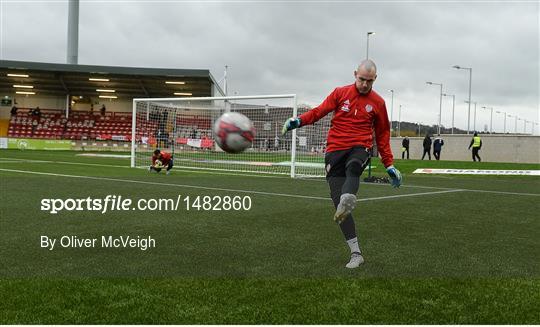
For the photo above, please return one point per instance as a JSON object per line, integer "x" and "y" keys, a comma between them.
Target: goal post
{"x": 184, "y": 127}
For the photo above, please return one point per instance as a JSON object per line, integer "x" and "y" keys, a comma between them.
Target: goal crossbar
{"x": 237, "y": 97}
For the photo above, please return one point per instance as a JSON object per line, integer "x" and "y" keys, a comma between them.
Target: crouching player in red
{"x": 160, "y": 160}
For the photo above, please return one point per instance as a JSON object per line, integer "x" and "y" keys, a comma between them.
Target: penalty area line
{"x": 195, "y": 170}
{"x": 408, "y": 195}
{"x": 164, "y": 184}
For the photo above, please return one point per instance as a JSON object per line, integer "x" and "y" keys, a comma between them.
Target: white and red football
{"x": 234, "y": 132}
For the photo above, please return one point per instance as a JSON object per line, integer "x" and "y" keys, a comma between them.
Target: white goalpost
{"x": 184, "y": 127}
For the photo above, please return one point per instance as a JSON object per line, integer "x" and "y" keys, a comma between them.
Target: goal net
{"x": 184, "y": 128}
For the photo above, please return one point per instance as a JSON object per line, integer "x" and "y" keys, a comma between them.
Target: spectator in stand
{"x": 102, "y": 110}
{"x": 161, "y": 138}
{"x": 91, "y": 109}
{"x": 14, "y": 111}
{"x": 166, "y": 140}
{"x": 154, "y": 115}
{"x": 36, "y": 112}
{"x": 35, "y": 124}
{"x": 427, "y": 147}
{"x": 405, "y": 147}
{"x": 161, "y": 125}
{"x": 437, "y": 147}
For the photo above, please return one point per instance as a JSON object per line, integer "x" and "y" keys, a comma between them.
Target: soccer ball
{"x": 158, "y": 164}
{"x": 234, "y": 132}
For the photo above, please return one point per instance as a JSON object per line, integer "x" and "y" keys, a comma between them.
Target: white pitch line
{"x": 217, "y": 188}
{"x": 178, "y": 168}
{"x": 502, "y": 192}
{"x": 407, "y": 195}
{"x": 258, "y": 175}
{"x": 65, "y": 163}
{"x": 206, "y": 172}
{"x": 203, "y": 171}
{"x": 165, "y": 184}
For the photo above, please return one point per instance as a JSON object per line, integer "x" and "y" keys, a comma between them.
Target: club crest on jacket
{"x": 345, "y": 106}
{"x": 369, "y": 108}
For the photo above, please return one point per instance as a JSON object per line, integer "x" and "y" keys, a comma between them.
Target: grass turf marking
{"x": 208, "y": 172}
{"x": 406, "y": 195}
{"x": 217, "y": 188}
{"x": 258, "y": 175}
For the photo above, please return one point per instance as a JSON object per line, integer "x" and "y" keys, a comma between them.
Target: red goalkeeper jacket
{"x": 165, "y": 158}
{"x": 356, "y": 117}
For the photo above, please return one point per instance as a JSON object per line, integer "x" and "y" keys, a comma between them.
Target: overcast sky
{"x": 309, "y": 48}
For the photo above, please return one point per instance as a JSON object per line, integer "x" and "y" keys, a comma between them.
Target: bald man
{"x": 358, "y": 112}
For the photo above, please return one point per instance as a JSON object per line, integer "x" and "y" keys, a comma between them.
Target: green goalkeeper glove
{"x": 290, "y": 124}
{"x": 395, "y": 175}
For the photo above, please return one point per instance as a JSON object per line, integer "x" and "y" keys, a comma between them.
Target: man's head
{"x": 365, "y": 75}
{"x": 157, "y": 153}
{"x": 475, "y": 133}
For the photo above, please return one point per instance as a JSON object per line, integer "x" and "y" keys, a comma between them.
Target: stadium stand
{"x": 52, "y": 124}
{"x": 49, "y": 124}
{"x": 82, "y": 125}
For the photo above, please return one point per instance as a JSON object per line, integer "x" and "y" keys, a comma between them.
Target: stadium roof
{"x": 127, "y": 82}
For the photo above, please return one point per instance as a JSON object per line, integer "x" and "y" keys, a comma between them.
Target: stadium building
{"x": 84, "y": 102}
{"x": 48, "y": 106}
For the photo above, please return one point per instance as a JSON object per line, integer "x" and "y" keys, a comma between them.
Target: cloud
{"x": 308, "y": 48}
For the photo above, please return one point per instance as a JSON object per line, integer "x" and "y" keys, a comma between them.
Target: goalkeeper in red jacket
{"x": 358, "y": 112}
{"x": 160, "y": 160}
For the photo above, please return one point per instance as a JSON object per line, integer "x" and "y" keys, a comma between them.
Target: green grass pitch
{"x": 442, "y": 249}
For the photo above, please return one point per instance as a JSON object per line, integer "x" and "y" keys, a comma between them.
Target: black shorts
{"x": 336, "y": 162}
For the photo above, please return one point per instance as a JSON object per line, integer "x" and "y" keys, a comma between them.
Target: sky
{"x": 311, "y": 47}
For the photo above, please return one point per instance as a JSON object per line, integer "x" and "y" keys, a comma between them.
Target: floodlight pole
{"x": 453, "y": 107}
{"x": 490, "y": 120}
{"x": 391, "y": 112}
{"x": 367, "y": 45}
{"x": 73, "y": 32}
{"x": 503, "y": 112}
{"x": 440, "y": 105}
{"x": 399, "y": 122}
{"x": 470, "y": 88}
{"x": 474, "y": 120}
